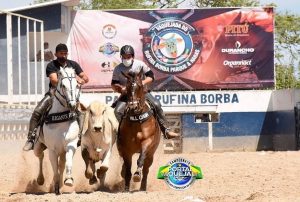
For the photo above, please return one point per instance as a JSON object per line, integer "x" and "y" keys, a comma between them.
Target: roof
{"x": 63, "y": 2}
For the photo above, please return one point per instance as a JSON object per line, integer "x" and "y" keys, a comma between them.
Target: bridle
{"x": 60, "y": 92}
{"x": 131, "y": 101}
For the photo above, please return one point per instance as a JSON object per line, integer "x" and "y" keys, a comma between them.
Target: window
{"x": 206, "y": 117}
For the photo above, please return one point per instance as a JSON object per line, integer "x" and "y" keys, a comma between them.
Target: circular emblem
{"x": 109, "y": 31}
{"x": 109, "y": 49}
{"x": 180, "y": 174}
{"x": 169, "y": 46}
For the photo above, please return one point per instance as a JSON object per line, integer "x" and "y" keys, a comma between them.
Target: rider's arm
{"x": 83, "y": 78}
{"x": 115, "y": 81}
{"x": 117, "y": 87}
{"x": 149, "y": 77}
{"x": 53, "y": 79}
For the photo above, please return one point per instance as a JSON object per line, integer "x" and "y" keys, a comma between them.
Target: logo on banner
{"x": 109, "y": 49}
{"x": 169, "y": 46}
{"x": 237, "y": 63}
{"x": 236, "y": 30}
{"x": 179, "y": 173}
{"x": 109, "y": 31}
{"x": 108, "y": 66}
{"x": 237, "y": 50}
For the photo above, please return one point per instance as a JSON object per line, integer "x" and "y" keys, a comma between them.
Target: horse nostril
{"x": 97, "y": 129}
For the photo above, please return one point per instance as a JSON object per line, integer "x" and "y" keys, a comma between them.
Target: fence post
{"x": 9, "y": 59}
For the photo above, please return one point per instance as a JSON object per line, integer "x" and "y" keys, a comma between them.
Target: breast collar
{"x": 143, "y": 116}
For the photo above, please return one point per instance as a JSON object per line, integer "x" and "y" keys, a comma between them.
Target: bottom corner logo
{"x": 179, "y": 173}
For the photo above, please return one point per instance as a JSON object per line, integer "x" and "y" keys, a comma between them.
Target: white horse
{"x": 61, "y": 137}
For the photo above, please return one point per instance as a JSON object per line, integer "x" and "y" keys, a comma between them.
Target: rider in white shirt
{"x": 119, "y": 81}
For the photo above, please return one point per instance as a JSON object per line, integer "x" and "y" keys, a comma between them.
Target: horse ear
{"x": 81, "y": 107}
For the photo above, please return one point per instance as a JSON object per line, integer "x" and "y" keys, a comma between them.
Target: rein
{"x": 62, "y": 94}
{"x": 141, "y": 115}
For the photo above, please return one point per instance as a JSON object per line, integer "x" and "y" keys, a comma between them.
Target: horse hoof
{"x": 56, "y": 189}
{"x": 40, "y": 180}
{"x": 126, "y": 188}
{"x": 69, "y": 182}
{"x": 88, "y": 175}
{"x": 143, "y": 189}
{"x": 93, "y": 180}
{"x": 136, "y": 177}
{"x": 101, "y": 171}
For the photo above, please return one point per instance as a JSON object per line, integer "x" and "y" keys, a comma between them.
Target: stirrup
{"x": 167, "y": 137}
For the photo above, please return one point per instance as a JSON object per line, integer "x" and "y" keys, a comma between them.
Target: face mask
{"x": 127, "y": 62}
{"x": 62, "y": 60}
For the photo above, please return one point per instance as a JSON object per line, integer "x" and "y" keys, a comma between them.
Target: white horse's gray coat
{"x": 60, "y": 138}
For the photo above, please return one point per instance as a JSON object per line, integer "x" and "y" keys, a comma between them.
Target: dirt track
{"x": 230, "y": 176}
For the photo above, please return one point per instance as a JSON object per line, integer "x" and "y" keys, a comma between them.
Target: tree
{"x": 285, "y": 77}
{"x": 287, "y": 38}
{"x": 226, "y": 3}
{"x": 129, "y": 4}
{"x": 41, "y": 1}
{"x": 113, "y": 4}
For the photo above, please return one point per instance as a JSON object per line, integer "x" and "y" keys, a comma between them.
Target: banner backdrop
{"x": 187, "y": 49}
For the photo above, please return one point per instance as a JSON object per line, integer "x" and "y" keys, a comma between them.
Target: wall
{"x": 255, "y": 120}
{"x": 248, "y": 120}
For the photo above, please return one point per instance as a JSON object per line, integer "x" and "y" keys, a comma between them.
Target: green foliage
{"x": 226, "y": 3}
{"x": 129, "y": 4}
{"x": 287, "y": 37}
{"x": 285, "y": 77}
{"x": 114, "y": 4}
{"x": 41, "y": 1}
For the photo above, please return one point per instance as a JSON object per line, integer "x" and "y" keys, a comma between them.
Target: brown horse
{"x": 139, "y": 132}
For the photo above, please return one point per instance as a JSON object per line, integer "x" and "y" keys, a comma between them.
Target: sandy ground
{"x": 230, "y": 176}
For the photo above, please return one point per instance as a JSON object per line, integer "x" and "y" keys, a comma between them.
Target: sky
{"x": 283, "y": 5}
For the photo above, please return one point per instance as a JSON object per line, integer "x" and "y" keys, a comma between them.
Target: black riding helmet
{"x": 127, "y": 49}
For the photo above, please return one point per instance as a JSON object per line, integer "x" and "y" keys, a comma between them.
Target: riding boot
{"x": 35, "y": 120}
{"x": 80, "y": 120}
{"x": 167, "y": 133}
{"x": 163, "y": 124}
{"x": 33, "y": 124}
{"x": 119, "y": 110}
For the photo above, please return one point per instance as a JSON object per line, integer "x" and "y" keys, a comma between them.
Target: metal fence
{"x": 23, "y": 76}
{"x": 14, "y": 121}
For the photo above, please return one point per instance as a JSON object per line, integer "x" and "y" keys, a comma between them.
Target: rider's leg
{"x": 37, "y": 114}
{"x": 119, "y": 110}
{"x": 80, "y": 120}
{"x": 163, "y": 123}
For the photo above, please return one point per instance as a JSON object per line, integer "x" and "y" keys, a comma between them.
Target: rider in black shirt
{"x": 61, "y": 53}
